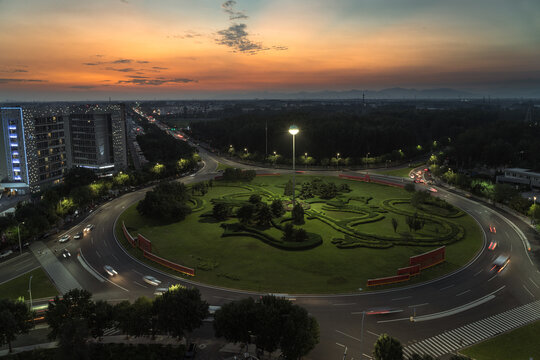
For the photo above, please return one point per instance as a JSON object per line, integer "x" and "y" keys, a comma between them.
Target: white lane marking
{"x": 141, "y": 285}
{"x": 478, "y": 273}
{"x": 347, "y": 335}
{"x": 402, "y": 298}
{"x": 534, "y": 283}
{"x": 493, "y": 277}
{"x": 510, "y": 247}
{"x": 344, "y": 304}
{"x": 114, "y": 256}
{"x": 366, "y": 355}
{"x": 528, "y": 290}
{"x": 415, "y": 306}
{"x": 135, "y": 271}
{"x": 98, "y": 254}
{"x": 92, "y": 240}
{"x": 462, "y": 293}
{"x": 372, "y": 333}
{"x": 338, "y": 344}
{"x": 453, "y": 311}
{"x": 446, "y": 287}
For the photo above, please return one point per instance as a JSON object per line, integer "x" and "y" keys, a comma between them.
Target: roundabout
{"x": 463, "y": 297}
{"x": 350, "y": 235}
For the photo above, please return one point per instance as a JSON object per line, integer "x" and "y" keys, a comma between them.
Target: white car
{"x": 64, "y": 238}
{"x": 109, "y": 270}
{"x": 89, "y": 227}
{"x": 151, "y": 280}
{"x": 5, "y": 254}
{"x": 78, "y": 235}
{"x": 66, "y": 254}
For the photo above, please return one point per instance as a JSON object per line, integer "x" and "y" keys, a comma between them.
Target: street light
{"x": 293, "y": 130}
{"x": 30, "y": 290}
{"x": 19, "y": 233}
{"x": 367, "y": 156}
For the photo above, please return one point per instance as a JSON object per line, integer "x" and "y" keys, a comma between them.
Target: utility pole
{"x": 266, "y": 136}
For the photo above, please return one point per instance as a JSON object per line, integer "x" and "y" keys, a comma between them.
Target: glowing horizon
{"x": 61, "y": 49}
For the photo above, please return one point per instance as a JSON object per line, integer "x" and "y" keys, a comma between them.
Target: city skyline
{"x": 130, "y": 49}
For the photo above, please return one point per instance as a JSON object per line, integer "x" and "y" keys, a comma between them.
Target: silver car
{"x": 109, "y": 270}
{"x": 64, "y": 238}
{"x": 151, "y": 280}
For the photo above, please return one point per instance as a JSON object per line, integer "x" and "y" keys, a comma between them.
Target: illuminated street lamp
{"x": 293, "y": 130}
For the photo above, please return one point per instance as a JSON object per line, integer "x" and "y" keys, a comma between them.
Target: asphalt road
{"x": 339, "y": 316}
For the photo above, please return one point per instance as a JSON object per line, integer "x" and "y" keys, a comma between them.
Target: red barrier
{"x": 144, "y": 243}
{"x": 169, "y": 264}
{"x": 359, "y": 178}
{"x": 128, "y": 236}
{"x": 428, "y": 259}
{"x": 411, "y": 270}
{"x": 388, "y": 280}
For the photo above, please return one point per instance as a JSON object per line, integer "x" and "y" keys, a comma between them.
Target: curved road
{"x": 473, "y": 292}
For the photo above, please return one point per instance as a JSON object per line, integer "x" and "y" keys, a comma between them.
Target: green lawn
{"x": 41, "y": 286}
{"x": 248, "y": 263}
{"x": 519, "y": 344}
{"x": 222, "y": 166}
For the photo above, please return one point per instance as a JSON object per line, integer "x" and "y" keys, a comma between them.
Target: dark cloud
{"x": 159, "y": 68}
{"x": 187, "y": 35}
{"x": 94, "y": 63}
{"x": 279, "y": 47}
{"x": 83, "y": 87}
{"x": 228, "y": 7}
{"x": 122, "y": 61}
{"x": 143, "y": 62}
{"x": 156, "y": 82}
{"x": 7, "y": 80}
{"x": 236, "y": 37}
{"x": 13, "y": 71}
{"x": 137, "y": 77}
{"x": 121, "y": 70}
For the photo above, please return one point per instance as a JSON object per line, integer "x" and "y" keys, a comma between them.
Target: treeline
{"x": 270, "y": 323}
{"x": 388, "y": 133}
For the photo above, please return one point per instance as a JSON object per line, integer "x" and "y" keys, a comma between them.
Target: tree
{"x": 387, "y": 348}
{"x": 288, "y": 188}
{"x": 263, "y": 215}
{"x": 75, "y": 304}
{"x": 245, "y": 213}
{"x": 288, "y": 232}
{"x": 419, "y": 197}
{"x": 255, "y": 199}
{"x": 234, "y": 320}
{"x": 101, "y": 318}
{"x": 534, "y": 212}
{"x": 15, "y": 319}
{"x": 300, "y": 235}
{"x": 180, "y": 310}
{"x": 409, "y": 187}
{"x": 72, "y": 339}
{"x": 122, "y": 316}
{"x": 298, "y": 214}
{"x": 220, "y": 211}
{"x": 300, "y": 333}
{"x": 394, "y": 224}
{"x": 277, "y": 208}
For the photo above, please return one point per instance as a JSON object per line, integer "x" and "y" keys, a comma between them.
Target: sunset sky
{"x": 191, "y": 49}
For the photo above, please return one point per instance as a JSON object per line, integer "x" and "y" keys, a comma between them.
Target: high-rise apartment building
{"x": 39, "y": 143}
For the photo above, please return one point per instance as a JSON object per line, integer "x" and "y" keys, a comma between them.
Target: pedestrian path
{"x": 60, "y": 276}
{"x": 453, "y": 340}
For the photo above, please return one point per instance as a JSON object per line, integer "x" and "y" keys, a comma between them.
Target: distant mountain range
{"x": 390, "y": 93}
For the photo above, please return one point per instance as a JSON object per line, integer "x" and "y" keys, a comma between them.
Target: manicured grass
{"x": 247, "y": 263}
{"x": 518, "y": 344}
{"x": 41, "y": 286}
{"x": 222, "y": 166}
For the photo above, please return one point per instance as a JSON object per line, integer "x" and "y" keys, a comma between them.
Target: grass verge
{"x": 41, "y": 286}
{"x": 518, "y": 344}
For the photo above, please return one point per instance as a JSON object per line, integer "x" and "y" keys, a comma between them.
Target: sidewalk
{"x": 60, "y": 276}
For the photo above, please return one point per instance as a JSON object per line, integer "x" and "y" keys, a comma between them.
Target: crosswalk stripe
{"x": 453, "y": 340}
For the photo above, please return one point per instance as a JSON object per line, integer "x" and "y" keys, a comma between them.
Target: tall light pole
{"x": 367, "y": 155}
{"x": 19, "y": 233}
{"x": 293, "y": 130}
{"x": 30, "y": 290}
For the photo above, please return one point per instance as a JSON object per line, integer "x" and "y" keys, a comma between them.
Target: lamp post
{"x": 19, "y": 233}
{"x": 30, "y": 290}
{"x": 337, "y": 160}
{"x": 305, "y": 159}
{"x": 293, "y": 130}
{"x": 367, "y": 155}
